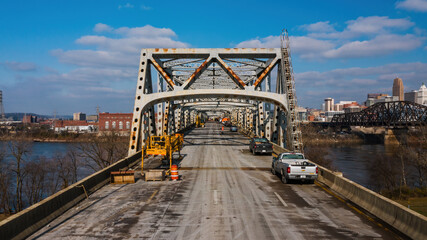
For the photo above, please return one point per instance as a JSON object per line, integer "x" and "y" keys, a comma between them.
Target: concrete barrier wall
{"x": 28, "y": 221}
{"x": 401, "y": 218}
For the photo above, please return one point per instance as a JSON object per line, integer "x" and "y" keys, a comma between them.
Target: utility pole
{"x": 2, "y": 117}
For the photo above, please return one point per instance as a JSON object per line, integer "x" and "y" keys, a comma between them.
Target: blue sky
{"x": 71, "y": 56}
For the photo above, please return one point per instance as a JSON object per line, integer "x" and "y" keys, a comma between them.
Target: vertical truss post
{"x": 248, "y": 119}
{"x": 240, "y": 118}
{"x": 166, "y": 119}
{"x": 177, "y": 118}
{"x": 267, "y": 121}
{"x": 260, "y": 125}
{"x": 160, "y": 118}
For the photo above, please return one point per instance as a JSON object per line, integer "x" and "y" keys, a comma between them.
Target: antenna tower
{"x": 2, "y": 116}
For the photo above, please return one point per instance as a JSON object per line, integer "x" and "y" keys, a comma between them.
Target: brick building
{"x": 115, "y": 122}
{"x": 29, "y": 119}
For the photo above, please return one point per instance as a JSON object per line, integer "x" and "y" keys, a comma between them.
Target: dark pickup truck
{"x": 260, "y": 145}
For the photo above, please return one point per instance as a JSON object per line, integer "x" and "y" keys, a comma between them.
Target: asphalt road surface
{"x": 225, "y": 193}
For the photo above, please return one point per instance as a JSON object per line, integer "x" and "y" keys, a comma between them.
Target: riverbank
{"x": 77, "y": 138}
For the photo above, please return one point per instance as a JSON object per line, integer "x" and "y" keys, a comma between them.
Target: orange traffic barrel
{"x": 174, "y": 172}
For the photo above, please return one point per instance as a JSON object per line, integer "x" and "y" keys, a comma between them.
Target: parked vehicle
{"x": 260, "y": 145}
{"x": 233, "y": 129}
{"x": 294, "y": 166}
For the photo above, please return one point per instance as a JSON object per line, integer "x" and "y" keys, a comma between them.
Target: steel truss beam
{"x": 191, "y": 81}
{"x": 386, "y": 114}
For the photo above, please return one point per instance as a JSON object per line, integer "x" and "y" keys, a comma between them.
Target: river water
{"x": 355, "y": 161}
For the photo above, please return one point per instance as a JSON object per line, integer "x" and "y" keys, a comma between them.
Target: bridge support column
{"x": 248, "y": 120}
{"x": 166, "y": 119}
{"x": 159, "y": 121}
{"x": 177, "y": 118}
{"x": 268, "y": 126}
{"x": 260, "y": 120}
{"x": 395, "y": 136}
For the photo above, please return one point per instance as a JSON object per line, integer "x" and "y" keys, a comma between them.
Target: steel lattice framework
{"x": 175, "y": 85}
{"x": 387, "y": 114}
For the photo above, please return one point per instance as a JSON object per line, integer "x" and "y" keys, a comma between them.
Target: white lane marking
{"x": 281, "y": 200}
{"x": 215, "y": 197}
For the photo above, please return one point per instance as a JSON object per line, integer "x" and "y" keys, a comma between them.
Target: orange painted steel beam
{"x": 162, "y": 72}
{"x": 265, "y": 72}
{"x": 198, "y": 71}
{"x": 231, "y": 72}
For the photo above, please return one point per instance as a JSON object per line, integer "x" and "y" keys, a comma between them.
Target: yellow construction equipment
{"x": 164, "y": 145}
{"x": 199, "y": 122}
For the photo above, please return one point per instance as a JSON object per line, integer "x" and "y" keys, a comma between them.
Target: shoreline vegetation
{"x": 58, "y": 138}
{"x": 26, "y": 179}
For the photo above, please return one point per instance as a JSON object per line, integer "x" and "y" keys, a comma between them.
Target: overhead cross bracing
{"x": 175, "y": 85}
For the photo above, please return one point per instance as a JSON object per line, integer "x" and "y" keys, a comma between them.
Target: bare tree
{"x": 35, "y": 182}
{"x": 67, "y": 166}
{"x": 318, "y": 155}
{"x": 73, "y": 162}
{"x": 5, "y": 183}
{"x": 102, "y": 151}
{"x": 19, "y": 149}
{"x": 385, "y": 173}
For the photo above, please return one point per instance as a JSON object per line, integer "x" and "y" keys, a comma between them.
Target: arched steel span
{"x": 386, "y": 114}
{"x": 188, "y": 77}
{"x": 151, "y": 99}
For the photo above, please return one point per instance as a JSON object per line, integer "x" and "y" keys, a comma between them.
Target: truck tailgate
{"x": 303, "y": 170}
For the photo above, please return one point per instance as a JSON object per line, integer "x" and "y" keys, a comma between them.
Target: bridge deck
{"x": 226, "y": 193}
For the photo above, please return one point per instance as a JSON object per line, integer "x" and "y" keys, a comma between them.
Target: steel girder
{"x": 203, "y": 80}
{"x": 387, "y": 114}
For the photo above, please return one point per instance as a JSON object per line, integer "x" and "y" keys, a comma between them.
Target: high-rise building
{"x": 411, "y": 96}
{"x": 422, "y": 95}
{"x": 79, "y": 116}
{"x": 2, "y": 116}
{"x": 329, "y": 104}
{"x": 398, "y": 88}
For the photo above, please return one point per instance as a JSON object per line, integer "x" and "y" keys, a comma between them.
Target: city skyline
{"x": 56, "y": 60}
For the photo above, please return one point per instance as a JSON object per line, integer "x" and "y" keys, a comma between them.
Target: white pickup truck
{"x": 294, "y": 166}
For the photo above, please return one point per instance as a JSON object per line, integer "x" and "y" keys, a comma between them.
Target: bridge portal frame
{"x": 179, "y": 92}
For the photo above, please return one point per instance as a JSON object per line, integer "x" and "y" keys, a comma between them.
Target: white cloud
{"x": 146, "y": 31}
{"x": 413, "y": 5}
{"x": 105, "y": 70}
{"x": 127, "y": 5}
{"x": 305, "y": 47}
{"x": 95, "y": 58}
{"x": 378, "y": 46}
{"x": 101, "y": 27}
{"x": 146, "y": 8}
{"x": 363, "y": 37}
{"x": 377, "y": 24}
{"x": 122, "y": 50}
{"x": 365, "y": 26}
{"x": 319, "y": 27}
{"x": 267, "y": 42}
{"x": 19, "y": 66}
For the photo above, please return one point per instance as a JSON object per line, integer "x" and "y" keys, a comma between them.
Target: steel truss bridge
{"x": 254, "y": 87}
{"x": 386, "y": 114}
